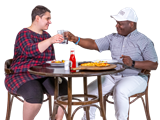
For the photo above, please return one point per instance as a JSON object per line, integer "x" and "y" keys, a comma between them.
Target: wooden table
{"x": 52, "y": 71}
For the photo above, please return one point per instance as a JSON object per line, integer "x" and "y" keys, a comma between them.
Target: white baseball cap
{"x": 126, "y": 14}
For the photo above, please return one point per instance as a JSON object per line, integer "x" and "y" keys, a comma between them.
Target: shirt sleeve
{"x": 26, "y": 45}
{"x": 149, "y": 52}
{"x": 103, "y": 43}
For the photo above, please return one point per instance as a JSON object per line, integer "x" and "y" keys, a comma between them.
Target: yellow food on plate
{"x": 97, "y": 64}
{"x": 100, "y": 61}
{"x": 57, "y": 61}
{"x": 103, "y": 61}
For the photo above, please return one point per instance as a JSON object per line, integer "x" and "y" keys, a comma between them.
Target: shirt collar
{"x": 133, "y": 33}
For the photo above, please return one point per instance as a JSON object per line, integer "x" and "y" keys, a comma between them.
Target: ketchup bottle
{"x": 73, "y": 60}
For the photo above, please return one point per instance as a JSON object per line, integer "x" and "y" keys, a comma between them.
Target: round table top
{"x": 59, "y": 71}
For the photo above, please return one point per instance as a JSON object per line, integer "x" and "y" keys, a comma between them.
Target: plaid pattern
{"x": 26, "y": 55}
{"x": 136, "y": 45}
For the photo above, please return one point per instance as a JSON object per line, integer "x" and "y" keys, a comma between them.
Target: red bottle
{"x": 73, "y": 60}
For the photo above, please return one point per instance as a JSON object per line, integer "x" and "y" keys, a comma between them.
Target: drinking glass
{"x": 61, "y": 31}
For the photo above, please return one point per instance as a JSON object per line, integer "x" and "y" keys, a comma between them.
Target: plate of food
{"x": 105, "y": 61}
{"x": 56, "y": 62}
{"x": 95, "y": 66}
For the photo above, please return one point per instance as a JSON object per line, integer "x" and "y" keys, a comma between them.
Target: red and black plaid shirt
{"x": 26, "y": 55}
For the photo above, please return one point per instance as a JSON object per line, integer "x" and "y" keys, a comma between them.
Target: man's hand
{"x": 56, "y": 39}
{"x": 127, "y": 60}
{"x": 71, "y": 37}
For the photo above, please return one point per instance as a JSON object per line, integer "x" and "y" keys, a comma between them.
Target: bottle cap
{"x": 72, "y": 51}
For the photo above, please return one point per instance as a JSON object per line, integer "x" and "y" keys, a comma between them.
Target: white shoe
{"x": 84, "y": 118}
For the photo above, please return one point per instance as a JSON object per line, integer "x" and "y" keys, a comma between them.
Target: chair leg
{"x": 128, "y": 114}
{"x": 50, "y": 105}
{"x": 9, "y": 106}
{"x": 56, "y": 93}
{"x": 86, "y": 98}
{"x": 104, "y": 103}
{"x": 87, "y": 113}
{"x": 106, "y": 109}
{"x": 147, "y": 106}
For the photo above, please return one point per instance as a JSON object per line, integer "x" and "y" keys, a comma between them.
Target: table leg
{"x": 56, "y": 94}
{"x": 69, "y": 98}
{"x": 86, "y": 98}
{"x": 101, "y": 97}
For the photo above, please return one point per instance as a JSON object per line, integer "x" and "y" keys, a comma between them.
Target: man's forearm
{"x": 42, "y": 46}
{"x": 87, "y": 43}
{"x": 148, "y": 65}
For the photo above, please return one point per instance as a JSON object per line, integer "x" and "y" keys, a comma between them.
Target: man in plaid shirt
{"x": 33, "y": 46}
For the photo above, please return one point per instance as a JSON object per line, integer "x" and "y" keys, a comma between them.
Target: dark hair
{"x": 40, "y": 11}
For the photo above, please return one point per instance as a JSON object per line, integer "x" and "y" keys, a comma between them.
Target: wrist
{"x": 76, "y": 39}
{"x": 50, "y": 40}
{"x": 133, "y": 63}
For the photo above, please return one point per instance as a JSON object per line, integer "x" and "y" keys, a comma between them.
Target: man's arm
{"x": 88, "y": 43}
{"x": 42, "y": 46}
{"x": 31, "y": 49}
{"x": 85, "y": 43}
{"x": 148, "y": 65}
{"x": 150, "y": 57}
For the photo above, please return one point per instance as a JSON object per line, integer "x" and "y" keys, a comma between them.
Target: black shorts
{"x": 32, "y": 91}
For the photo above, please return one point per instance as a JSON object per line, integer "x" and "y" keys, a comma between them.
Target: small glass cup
{"x": 61, "y": 32}
{"x": 67, "y": 65}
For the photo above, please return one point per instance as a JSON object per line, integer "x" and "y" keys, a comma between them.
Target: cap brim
{"x": 118, "y": 18}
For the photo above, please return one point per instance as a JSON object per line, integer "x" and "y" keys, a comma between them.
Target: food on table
{"x": 98, "y": 64}
{"x": 100, "y": 61}
{"x": 63, "y": 60}
{"x": 57, "y": 61}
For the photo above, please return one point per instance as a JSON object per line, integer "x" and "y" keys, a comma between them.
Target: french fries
{"x": 98, "y": 64}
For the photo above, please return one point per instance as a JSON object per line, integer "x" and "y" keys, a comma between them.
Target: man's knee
{"x": 119, "y": 90}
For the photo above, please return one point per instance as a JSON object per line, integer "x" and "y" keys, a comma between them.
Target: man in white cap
{"x": 127, "y": 46}
{"x": 126, "y": 21}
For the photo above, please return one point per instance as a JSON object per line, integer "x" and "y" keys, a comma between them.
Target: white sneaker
{"x": 84, "y": 117}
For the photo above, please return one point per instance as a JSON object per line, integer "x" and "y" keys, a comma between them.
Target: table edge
{"x": 71, "y": 75}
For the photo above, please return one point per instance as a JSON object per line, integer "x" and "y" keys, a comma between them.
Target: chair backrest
{"x": 9, "y": 71}
{"x": 7, "y": 66}
{"x": 147, "y": 72}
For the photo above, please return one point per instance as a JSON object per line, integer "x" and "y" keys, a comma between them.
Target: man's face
{"x": 123, "y": 27}
{"x": 44, "y": 21}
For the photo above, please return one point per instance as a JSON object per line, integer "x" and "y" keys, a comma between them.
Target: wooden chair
{"x": 136, "y": 96}
{"x": 11, "y": 95}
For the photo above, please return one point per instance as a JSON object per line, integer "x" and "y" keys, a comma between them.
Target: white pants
{"x": 122, "y": 87}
